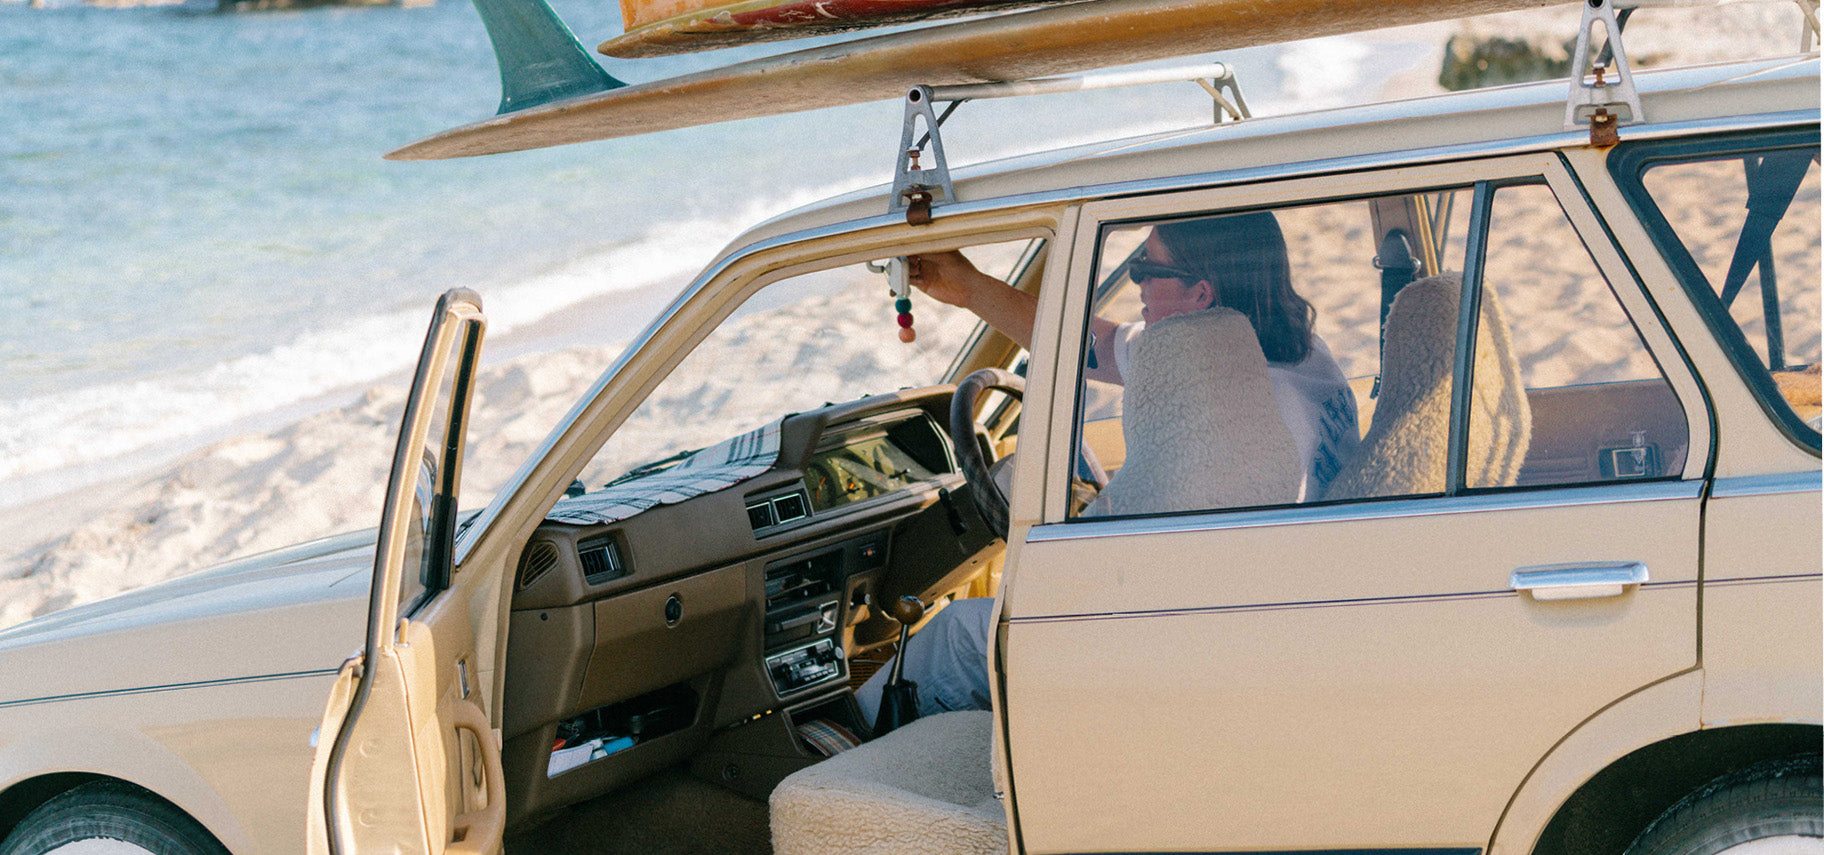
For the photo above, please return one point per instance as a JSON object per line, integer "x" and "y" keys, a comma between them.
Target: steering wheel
{"x": 990, "y": 502}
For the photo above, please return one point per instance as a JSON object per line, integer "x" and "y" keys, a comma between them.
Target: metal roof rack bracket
{"x": 917, "y": 188}
{"x": 1594, "y": 100}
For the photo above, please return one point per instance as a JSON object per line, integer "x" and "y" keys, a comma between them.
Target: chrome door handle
{"x": 1577, "y": 581}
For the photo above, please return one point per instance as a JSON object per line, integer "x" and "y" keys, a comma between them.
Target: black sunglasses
{"x": 1140, "y": 270}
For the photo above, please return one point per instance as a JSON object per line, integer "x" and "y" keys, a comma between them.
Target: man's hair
{"x": 1244, "y": 257}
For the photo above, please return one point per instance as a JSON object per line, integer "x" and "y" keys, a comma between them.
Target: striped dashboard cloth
{"x": 719, "y": 466}
{"x": 827, "y": 737}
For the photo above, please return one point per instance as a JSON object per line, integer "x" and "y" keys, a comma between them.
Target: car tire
{"x": 1774, "y": 808}
{"x": 109, "y": 818}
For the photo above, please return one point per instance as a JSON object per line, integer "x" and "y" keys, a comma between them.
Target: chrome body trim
{"x": 1768, "y": 485}
{"x": 1422, "y": 156}
{"x": 1790, "y": 578}
{"x": 1555, "y": 497}
{"x": 171, "y": 687}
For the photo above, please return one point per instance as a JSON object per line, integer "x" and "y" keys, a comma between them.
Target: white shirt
{"x": 1315, "y": 402}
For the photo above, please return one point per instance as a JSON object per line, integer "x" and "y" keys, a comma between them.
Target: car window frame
{"x": 1524, "y": 168}
{"x": 1482, "y": 206}
{"x": 628, "y": 379}
{"x": 1627, "y": 166}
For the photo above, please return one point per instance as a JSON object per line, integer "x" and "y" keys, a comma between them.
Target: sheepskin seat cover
{"x": 1202, "y": 426}
{"x": 1407, "y": 448}
{"x": 924, "y": 788}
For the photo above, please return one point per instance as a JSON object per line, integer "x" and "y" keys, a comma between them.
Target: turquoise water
{"x": 196, "y": 226}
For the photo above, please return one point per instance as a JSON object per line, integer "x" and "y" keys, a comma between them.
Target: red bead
{"x": 905, "y": 319}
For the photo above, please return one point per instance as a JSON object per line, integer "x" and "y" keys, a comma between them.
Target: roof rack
{"x": 1606, "y": 104}
{"x": 916, "y": 188}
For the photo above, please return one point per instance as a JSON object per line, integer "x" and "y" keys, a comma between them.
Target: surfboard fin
{"x": 540, "y": 59}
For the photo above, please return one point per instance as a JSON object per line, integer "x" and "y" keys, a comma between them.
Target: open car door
{"x": 407, "y": 760}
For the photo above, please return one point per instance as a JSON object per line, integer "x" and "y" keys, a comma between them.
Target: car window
{"x": 1592, "y": 406}
{"x": 796, "y": 345}
{"x": 1748, "y": 228}
{"x": 1196, "y": 409}
{"x": 430, "y": 530}
{"x": 1240, "y": 362}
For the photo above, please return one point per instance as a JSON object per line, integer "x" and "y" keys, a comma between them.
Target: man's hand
{"x": 947, "y": 276}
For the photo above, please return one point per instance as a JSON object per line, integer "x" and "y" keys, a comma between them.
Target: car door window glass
{"x": 1239, "y": 357}
{"x": 1750, "y": 224}
{"x": 1569, "y": 389}
{"x": 431, "y": 525}
{"x": 796, "y": 345}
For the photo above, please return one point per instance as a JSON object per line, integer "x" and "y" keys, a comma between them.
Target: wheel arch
{"x": 55, "y": 761}
{"x": 25, "y": 796}
{"x": 1615, "y": 805}
{"x": 22, "y": 797}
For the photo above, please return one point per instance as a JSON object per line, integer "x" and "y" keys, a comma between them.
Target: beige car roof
{"x": 1525, "y": 117}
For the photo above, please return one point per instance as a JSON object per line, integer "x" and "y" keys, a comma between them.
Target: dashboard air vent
{"x": 778, "y": 510}
{"x": 601, "y": 559}
{"x": 538, "y": 560}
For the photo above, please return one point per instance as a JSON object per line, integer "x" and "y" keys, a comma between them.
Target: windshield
{"x": 799, "y": 344}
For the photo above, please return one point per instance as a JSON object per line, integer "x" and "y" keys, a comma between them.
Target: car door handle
{"x": 1577, "y": 581}
{"x": 481, "y": 829}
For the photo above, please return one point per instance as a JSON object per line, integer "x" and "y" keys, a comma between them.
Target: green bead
{"x": 902, "y": 305}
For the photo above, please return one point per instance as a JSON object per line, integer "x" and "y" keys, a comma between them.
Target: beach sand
{"x": 325, "y": 473}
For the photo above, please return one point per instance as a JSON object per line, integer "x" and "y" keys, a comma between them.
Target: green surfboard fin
{"x": 540, "y": 59}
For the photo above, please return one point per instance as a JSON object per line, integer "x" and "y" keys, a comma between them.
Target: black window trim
{"x": 1453, "y": 475}
{"x": 1457, "y": 476}
{"x": 1475, "y": 259}
{"x": 1627, "y": 165}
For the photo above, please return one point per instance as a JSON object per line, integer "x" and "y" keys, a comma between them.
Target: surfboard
{"x": 667, "y": 27}
{"x": 1048, "y": 41}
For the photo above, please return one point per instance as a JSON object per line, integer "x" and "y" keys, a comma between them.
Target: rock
{"x": 1472, "y": 61}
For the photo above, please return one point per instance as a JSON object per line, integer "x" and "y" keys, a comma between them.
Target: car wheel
{"x": 109, "y": 818}
{"x": 1774, "y": 808}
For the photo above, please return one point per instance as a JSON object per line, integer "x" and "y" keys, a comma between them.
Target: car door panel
{"x": 407, "y": 759}
{"x": 1298, "y": 700}
{"x": 1339, "y": 676}
{"x": 1762, "y": 545}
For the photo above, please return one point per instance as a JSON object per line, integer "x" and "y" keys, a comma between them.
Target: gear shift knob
{"x": 899, "y": 697}
{"x": 908, "y": 610}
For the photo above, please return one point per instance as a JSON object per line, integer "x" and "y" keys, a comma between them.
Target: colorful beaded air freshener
{"x": 900, "y": 286}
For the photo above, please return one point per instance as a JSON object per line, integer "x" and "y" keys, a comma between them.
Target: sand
{"x": 325, "y": 473}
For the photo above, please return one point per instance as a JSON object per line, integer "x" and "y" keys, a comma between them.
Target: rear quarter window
{"x": 1738, "y": 218}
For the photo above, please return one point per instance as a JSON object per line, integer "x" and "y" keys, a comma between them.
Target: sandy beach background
{"x": 315, "y": 464}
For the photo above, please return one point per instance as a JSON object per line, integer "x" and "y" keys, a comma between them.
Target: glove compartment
{"x": 665, "y": 634}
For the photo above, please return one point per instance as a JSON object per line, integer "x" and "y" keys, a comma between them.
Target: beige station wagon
{"x": 1561, "y": 595}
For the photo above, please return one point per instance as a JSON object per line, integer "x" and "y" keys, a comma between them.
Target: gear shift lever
{"x": 899, "y": 699}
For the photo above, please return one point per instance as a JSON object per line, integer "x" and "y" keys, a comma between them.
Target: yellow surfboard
{"x": 1053, "y": 40}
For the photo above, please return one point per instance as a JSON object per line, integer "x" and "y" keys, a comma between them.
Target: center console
{"x": 801, "y": 633}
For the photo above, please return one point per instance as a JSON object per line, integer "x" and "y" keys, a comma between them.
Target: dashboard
{"x": 701, "y": 631}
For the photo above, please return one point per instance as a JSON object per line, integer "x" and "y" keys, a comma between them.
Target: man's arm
{"x": 950, "y": 278}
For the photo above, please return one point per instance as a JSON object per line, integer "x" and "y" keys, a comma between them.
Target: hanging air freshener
{"x": 900, "y": 284}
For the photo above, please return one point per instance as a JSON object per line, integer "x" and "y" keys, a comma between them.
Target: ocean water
{"x": 197, "y": 229}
